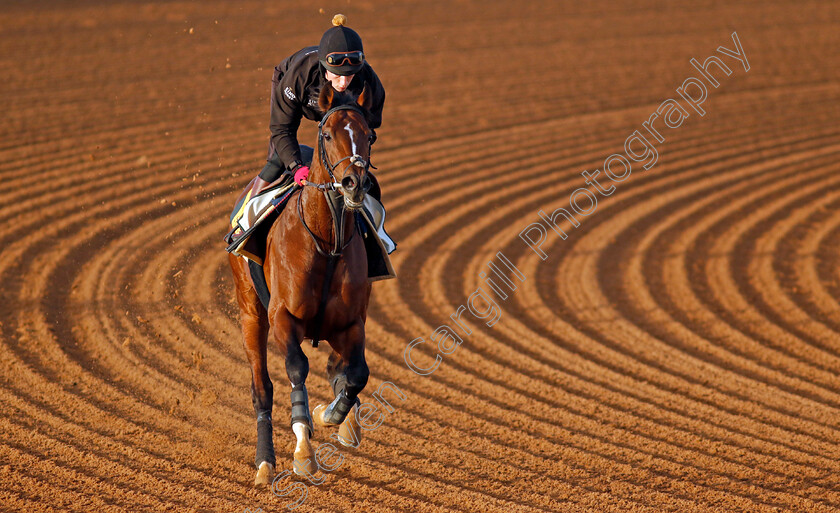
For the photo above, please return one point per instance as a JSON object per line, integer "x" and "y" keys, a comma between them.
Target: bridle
{"x": 355, "y": 159}
{"x": 334, "y": 185}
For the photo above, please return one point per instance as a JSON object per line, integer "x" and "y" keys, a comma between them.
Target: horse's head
{"x": 344, "y": 142}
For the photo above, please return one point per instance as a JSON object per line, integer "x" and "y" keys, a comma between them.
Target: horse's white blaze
{"x": 352, "y": 139}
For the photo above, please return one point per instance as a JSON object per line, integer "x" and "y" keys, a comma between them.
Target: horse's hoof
{"x": 318, "y": 415}
{"x": 345, "y": 436}
{"x": 265, "y": 474}
{"x": 305, "y": 464}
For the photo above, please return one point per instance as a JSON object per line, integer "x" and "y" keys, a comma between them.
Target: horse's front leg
{"x": 297, "y": 369}
{"x": 350, "y": 346}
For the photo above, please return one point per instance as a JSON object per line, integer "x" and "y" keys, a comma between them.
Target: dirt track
{"x": 678, "y": 352}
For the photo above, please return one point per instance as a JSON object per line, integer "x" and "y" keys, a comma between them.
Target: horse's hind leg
{"x": 350, "y": 345}
{"x": 349, "y": 432}
{"x": 255, "y": 333}
{"x": 262, "y": 394}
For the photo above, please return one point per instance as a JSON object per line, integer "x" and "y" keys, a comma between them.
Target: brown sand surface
{"x": 679, "y": 351}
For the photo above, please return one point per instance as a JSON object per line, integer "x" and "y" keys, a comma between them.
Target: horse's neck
{"x": 316, "y": 213}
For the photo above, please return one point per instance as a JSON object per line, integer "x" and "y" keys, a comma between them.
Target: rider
{"x": 339, "y": 59}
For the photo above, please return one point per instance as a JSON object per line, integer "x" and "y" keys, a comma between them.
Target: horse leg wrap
{"x": 265, "y": 440}
{"x": 338, "y": 383}
{"x": 337, "y": 411}
{"x": 300, "y": 407}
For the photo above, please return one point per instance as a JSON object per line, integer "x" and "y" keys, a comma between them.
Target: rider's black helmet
{"x": 340, "y": 50}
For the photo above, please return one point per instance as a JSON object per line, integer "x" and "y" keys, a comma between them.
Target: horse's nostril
{"x": 349, "y": 183}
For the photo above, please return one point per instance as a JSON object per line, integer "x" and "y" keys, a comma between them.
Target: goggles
{"x": 341, "y": 58}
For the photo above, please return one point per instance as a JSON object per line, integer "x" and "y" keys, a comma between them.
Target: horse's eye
{"x": 327, "y": 136}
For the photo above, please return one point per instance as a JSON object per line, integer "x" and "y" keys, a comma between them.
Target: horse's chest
{"x": 343, "y": 294}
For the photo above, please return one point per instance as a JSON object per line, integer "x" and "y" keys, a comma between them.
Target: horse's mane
{"x": 348, "y": 98}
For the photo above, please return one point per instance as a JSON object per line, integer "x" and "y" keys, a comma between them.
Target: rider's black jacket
{"x": 296, "y": 85}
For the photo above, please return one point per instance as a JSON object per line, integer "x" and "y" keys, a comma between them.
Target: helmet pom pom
{"x": 339, "y": 20}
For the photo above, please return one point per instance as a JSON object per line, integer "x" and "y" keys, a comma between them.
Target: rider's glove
{"x": 301, "y": 173}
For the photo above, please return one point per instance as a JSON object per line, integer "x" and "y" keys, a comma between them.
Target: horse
{"x": 316, "y": 272}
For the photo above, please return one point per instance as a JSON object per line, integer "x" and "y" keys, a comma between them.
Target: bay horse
{"x": 314, "y": 238}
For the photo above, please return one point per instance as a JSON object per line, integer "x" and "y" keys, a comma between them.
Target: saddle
{"x": 259, "y": 213}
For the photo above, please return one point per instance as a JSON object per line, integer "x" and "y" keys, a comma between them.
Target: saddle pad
{"x": 380, "y": 245}
{"x": 257, "y": 206}
{"x": 251, "y": 244}
{"x": 376, "y": 216}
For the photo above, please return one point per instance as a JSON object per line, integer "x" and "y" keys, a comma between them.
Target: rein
{"x": 337, "y": 224}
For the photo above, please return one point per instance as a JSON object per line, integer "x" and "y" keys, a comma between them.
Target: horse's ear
{"x": 364, "y": 100}
{"x": 325, "y": 99}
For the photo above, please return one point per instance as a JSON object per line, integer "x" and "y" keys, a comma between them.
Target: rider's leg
{"x": 272, "y": 174}
{"x": 272, "y": 171}
{"x": 374, "y": 190}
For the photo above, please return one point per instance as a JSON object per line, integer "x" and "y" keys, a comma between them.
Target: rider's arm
{"x": 286, "y": 112}
{"x": 378, "y": 101}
